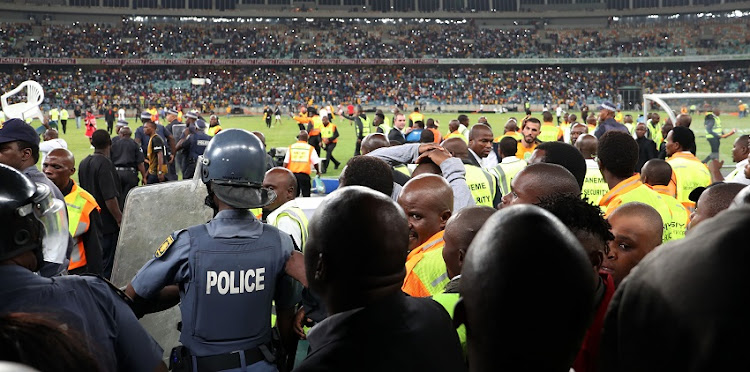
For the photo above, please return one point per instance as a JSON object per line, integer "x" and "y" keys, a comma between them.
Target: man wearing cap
{"x": 128, "y": 159}
{"x": 193, "y": 143}
{"x": 607, "y": 120}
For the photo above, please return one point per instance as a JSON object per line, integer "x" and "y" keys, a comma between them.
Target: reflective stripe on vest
{"x": 299, "y": 217}
{"x": 594, "y": 186}
{"x": 426, "y": 274}
{"x": 79, "y": 204}
{"x": 327, "y": 131}
{"x": 505, "y": 173}
{"x": 481, "y": 184}
{"x": 689, "y": 173}
{"x": 300, "y": 154}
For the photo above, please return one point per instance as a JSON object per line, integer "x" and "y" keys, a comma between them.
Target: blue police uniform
{"x": 229, "y": 271}
{"x": 196, "y": 146}
{"x": 87, "y": 305}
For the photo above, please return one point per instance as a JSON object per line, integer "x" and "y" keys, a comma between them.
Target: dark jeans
{"x": 314, "y": 141}
{"x": 152, "y": 179}
{"x": 714, "y": 142}
{"x": 109, "y": 246}
{"x": 187, "y": 173}
{"x": 110, "y": 125}
{"x": 64, "y": 124}
{"x": 303, "y": 184}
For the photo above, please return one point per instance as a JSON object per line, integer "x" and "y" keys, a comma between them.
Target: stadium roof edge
{"x": 332, "y": 12}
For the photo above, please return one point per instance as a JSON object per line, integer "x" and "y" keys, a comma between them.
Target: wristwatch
{"x": 160, "y": 172}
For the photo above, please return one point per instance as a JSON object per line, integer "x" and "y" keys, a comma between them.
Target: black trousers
{"x": 64, "y": 124}
{"x": 314, "y": 141}
{"x": 303, "y": 184}
{"x": 128, "y": 180}
{"x": 714, "y": 142}
{"x": 358, "y": 147}
{"x": 109, "y": 246}
{"x": 329, "y": 157}
{"x": 152, "y": 179}
{"x": 110, "y": 126}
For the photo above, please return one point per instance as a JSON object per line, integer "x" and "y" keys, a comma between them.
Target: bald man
{"x": 594, "y": 186}
{"x": 83, "y": 213}
{"x": 538, "y": 181}
{"x": 713, "y": 200}
{"x": 480, "y": 147}
{"x": 301, "y": 158}
{"x": 369, "y": 312}
{"x": 459, "y": 232}
{"x": 284, "y": 212}
{"x": 638, "y": 229}
{"x": 576, "y": 130}
{"x": 51, "y": 142}
{"x": 482, "y": 184}
{"x": 656, "y": 174}
{"x": 505, "y": 337}
{"x": 374, "y": 141}
{"x": 427, "y": 201}
{"x": 451, "y": 167}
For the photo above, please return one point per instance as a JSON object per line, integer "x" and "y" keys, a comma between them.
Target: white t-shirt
{"x": 121, "y": 114}
{"x": 740, "y": 176}
{"x": 45, "y": 147}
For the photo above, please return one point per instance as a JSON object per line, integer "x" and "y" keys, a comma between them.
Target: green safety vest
{"x": 644, "y": 194}
{"x": 680, "y": 217}
{"x": 456, "y": 134}
{"x": 386, "y": 128}
{"x": 505, "y": 172}
{"x": 403, "y": 169}
{"x": 594, "y": 186}
{"x": 449, "y": 301}
{"x": 717, "y": 125}
{"x": 548, "y": 133}
{"x": 481, "y": 184}
{"x": 54, "y": 115}
{"x": 64, "y": 114}
{"x": 654, "y": 132}
{"x": 366, "y": 126}
{"x": 431, "y": 271}
{"x": 527, "y": 105}
{"x": 690, "y": 173}
{"x": 299, "y": 217}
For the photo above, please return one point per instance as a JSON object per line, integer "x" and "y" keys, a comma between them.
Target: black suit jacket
{"x": 400, "y": 333}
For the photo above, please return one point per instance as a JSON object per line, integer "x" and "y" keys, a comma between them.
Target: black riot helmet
{"x": 233, "y": 167}
{"x": 31, "y": 219}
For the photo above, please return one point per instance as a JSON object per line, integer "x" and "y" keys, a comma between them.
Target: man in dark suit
{"x": 373, "y": 325}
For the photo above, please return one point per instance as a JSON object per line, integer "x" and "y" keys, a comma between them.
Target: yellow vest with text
{"x": 594, "y": 186}
{"x": 300, "y": 155}
{"x": 689, "y": 173}
{"x": 79, "y": 204}
{"x": 481, "y": 184}
{"x": 505, "y": 172}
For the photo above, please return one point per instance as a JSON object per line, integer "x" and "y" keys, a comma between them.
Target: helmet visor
{"x": 52, "y": 214}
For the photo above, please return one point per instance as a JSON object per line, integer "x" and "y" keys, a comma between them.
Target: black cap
{"x": 696, "y": 193}
{"x": 18, "y": 130}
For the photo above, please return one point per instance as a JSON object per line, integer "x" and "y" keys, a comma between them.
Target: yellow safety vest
{"x": 213, "y": 130}
{"x": 317, "y": 125}
{"x": 54, "y": 115}
{"x": 366, "y": 126}
{"x": 594, "y": 186}
{"x": 548, "y": 133}
{"x": 654, "y": 131}
{"x": 300, "y": 155}
{"x": 618, "y": 117}
{"x": 449, "y": 301}
{"x": 416, "y": 116}
{"x": 79, "y": 204}
{"x": 680, "y": 217}
{"x": 481, "y": 184}
{"x": 327, "y": 131}
{"x": 64, "y": 114}
{"x": 633, "y": 190}
{"x": 689, "y": 173}
{"x": 299, "y": 217}
{"x": 717, "y": 125}
{"x": 403, "y": 169}
{"x": 505, "y": 172}
{"x": 426, "y": 274}
{"x": 456, "y": 134}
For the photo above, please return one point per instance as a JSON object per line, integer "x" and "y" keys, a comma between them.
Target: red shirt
{"x": 588, "y": 356}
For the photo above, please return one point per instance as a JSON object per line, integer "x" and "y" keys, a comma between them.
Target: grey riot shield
{"x": 151, "y": 214}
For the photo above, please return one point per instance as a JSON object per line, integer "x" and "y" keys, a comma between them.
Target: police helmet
{"x": 233, "y": 166}
{"x": 31, "y": 218}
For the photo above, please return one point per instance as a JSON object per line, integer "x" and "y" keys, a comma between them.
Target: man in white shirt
{"x": 740, "y": 153}
{"x": 121, "y": 114}
{"x": 51, "y": 142}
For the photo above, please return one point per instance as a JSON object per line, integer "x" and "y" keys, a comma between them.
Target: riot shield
{"x": 151, "y": 214}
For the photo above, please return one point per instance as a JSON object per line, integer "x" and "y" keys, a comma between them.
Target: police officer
{"x": 32, "y": 222}
{"x": 128, "y": 158}
{"x": 228, "y": 270}
{"x": 171, "y": 116}
{"x": 193, "y": 143}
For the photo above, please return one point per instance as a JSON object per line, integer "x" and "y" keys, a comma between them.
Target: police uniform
{"x": 193, "y": 147}
{"x": 228, "y": 270}
{"x": 126, "y": 155}
{"x": 179, "y": 156}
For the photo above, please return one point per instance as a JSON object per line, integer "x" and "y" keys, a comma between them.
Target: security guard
{"x": 314, "y": 127}
{"x": 33, "y": 222}
{"x": 361, "y": 126}
{"x": 172, "y": 119}
{"x": 228, "y": 271}
{"x": 128, "y": 158}
{"x": 482, "y": 184}
{"x": 193, "y": 143}
{"x": 284, "y": 212}
{"x": 214, "y": 126}
{"x": 329, "y": 134}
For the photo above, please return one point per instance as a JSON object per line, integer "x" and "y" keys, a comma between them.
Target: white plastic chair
{"x": 28, "y": 109}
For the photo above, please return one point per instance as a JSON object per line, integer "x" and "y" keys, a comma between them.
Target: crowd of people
{"x": 255, "y": 87}
{"x": 292, "y": 38}
{"x": 441, "y": 276}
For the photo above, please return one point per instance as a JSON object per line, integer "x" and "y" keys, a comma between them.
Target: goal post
{"x": 660, "y": 99}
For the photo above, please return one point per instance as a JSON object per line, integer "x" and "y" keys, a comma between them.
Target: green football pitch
{"x": 284, "y": 134}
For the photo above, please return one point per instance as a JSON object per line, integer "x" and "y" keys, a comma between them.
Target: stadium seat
{"x": 29, "y": 108}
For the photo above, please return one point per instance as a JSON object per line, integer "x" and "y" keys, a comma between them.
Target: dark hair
{"x": 36, "y": 341}
{"x": 618, "y": 153}
{"x": 684, "y": 136}
{"x": 508, "y": 146}
{"x": 547, "y": 116}
{"x": 370, "y": 172}
{"x": 579, "y": 216}
{"x": 531, "y": 120}
{"x": 566, "y": 155}
{"x": 100, "y": 139}
{"x": 22, "y": 145}
{"x": 419, "y": 124}
{"x": 427, "y": 136}
{"x": 463, "y": 119}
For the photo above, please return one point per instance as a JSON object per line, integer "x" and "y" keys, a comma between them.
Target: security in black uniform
{"x": 225, "y": 273}
{"x": 193, "y": 143}
{"x": 142, "y": 139}
{"x": 33, "y": 222}
{"x": 128, "y": 158}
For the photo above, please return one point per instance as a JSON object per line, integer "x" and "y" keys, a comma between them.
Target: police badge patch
{"x": 163, "y": 247}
